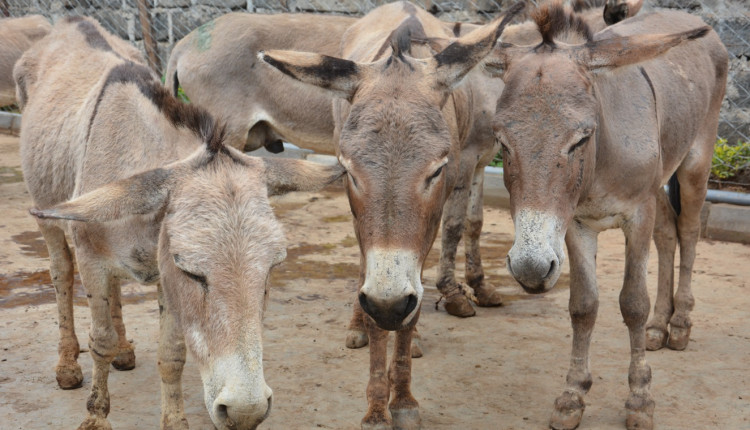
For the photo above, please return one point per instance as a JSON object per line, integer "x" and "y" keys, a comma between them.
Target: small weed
{"x": 498, "y": 160}
{"x": 180, "y": 93}
{"x": 729, "y": 160}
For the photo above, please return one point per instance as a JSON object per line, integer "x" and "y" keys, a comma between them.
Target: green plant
{"x": 180, "y": 93}
{"x": 498, "y": 160}
{"x": 182, "y": 96}
{"x": 728, "y": 160}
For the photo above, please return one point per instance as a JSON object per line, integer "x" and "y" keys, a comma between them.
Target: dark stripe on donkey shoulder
{"x": 197, "y": 120}
{"x": 94, "y": 38}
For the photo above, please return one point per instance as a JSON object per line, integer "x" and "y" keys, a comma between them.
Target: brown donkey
{"x": 401, "y": 121}
{"x": 158, "y": 198}
{"x": 589, "y": 138}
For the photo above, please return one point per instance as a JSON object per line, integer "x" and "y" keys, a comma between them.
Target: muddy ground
{"x": 499, "y": 370}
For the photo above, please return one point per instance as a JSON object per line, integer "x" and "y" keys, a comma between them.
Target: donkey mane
{"x": 556, "y": 21}
{"x": 180, "y": 114}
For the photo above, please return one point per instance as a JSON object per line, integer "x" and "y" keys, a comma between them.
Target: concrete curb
{"x": 10, "y": 123}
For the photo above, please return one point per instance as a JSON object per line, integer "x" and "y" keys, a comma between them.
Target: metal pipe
{"x": 713, "y": 196}
{"x": 731, "y": 197}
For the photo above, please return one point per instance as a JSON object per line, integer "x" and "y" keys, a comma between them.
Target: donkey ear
{"x": 330, "y": 73}
{"x": 497, "y": 63}
{"x": 284, "y": 175}
{"x": 140, "y": 194}
{"x": 618, "y": 10}
{"x": 455, "y": 61}
{"x": 621, "y": 51}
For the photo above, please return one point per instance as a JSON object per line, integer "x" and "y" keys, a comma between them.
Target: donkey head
{"x": 218, "y": 240}
{"x": 546, "y": 121}
{"x": 398, "y": 141}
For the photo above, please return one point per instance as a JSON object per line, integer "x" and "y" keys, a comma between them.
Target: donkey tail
{"x": 170, "y": 78}
{"x": 674, "y": 193}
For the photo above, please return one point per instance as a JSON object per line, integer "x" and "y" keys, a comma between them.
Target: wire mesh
{"x": 156, "y": 25}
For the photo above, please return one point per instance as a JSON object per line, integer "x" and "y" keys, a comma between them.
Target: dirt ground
{"x": 499, "y": 370}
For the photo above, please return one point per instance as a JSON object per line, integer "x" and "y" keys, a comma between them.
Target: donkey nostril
{"x": 268, "y": 411}
{"x": 364, "y": 303}
{"x": 221, "y": 412}
{"x": 411, "y": 304}
{"x": 552, "y": 267}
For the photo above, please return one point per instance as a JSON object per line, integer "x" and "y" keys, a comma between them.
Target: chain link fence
{"x": 156, "y": 25}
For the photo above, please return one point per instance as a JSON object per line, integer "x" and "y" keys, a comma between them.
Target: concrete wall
{"x": 173, "y": 19}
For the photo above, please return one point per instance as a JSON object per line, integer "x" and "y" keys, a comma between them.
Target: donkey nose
{"x": 389, "y": 314}
{"x": 533, "y": 270}
{"x": 238, "y": 413}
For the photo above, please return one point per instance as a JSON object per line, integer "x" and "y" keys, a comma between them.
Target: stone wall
{"x": 173, "y": 19}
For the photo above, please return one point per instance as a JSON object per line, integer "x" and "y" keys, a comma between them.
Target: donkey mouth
{"x": 535, "y": 286}
{"x": 389, "y": 316}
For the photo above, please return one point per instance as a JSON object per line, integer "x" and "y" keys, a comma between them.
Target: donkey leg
{"x": 68, "y": 371}
{"x": 416, "y": 344}
{"x": 356, "y": 336}
{"x": 454, "y": 216}
{"x": 171, "y": 362}
{"x": 378, "y": 390}
{"x": 125, "y": 360}
{"x": 665, "y": 237}
{"x": 403, "y": 407}
{"x": 486, "y": 294}
{"x": 583, "y": 307}
{"x": 103, "y": 343}
{"x": 634, "y": 306}
{"x": 692, "y": 176}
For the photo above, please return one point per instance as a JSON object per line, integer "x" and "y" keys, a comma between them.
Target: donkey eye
{"x": 351, "y": 177}
{"x": 197, "y": 278}
{"x": 201, "y": 279}
{"x": 436, "y": 174}
{"x": 578, "y": 145}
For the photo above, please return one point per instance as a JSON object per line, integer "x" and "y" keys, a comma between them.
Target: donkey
{"x": 589, "y": 138}
{"x": 401, "y": 122}
{"x": 157, "y": 197}
{"x": 17, "y": 34}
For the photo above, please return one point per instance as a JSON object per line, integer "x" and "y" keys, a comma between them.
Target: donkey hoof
{"x": 380, "y": 425}
{"x": 406, "y": 419}
{"x": 568, "y": 411}
{"x": 459, "y": 306}
{"x": 638, "y": 420}
{"x": 356, "y": 339}
{"x": 488, "y": 296}
{"x": 640, "y": 412}
{"x": 124, "y": 360}
{"x": 172, "y": 422}
{"x": 69, "y": 376}
{"x": 656, "y": 338}
{"x": 94, "y": 422}
{"x": 416, "y": 348}
{"x": 679, "y": 337}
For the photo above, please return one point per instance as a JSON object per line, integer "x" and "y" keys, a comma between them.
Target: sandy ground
{"x": 499, "y": 370}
